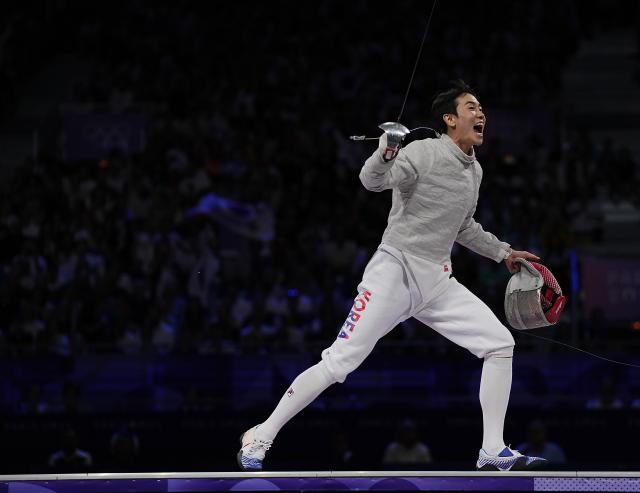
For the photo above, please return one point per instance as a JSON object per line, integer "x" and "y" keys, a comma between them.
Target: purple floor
{"x": 322, "y": 481}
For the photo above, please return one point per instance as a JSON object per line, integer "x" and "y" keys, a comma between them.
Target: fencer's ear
{"x": 449, "y": 120}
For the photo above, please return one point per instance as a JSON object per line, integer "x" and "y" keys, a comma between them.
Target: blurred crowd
{"x": 254, "y": 108}
{"x": 124, "y": 449}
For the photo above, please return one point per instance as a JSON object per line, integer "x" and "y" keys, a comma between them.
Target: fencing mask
{"x": 533, "y": 297}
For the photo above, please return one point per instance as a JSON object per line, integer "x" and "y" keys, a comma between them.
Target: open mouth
{"x": 478, "y": 128}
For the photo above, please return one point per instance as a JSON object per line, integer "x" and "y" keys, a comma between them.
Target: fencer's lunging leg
{"x": 495, "y": 386}
{"x": 302, "y": 392}
{"x": 383, "y": 300}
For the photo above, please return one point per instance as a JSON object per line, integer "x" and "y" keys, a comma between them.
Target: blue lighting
{"x": 575, "y": 276}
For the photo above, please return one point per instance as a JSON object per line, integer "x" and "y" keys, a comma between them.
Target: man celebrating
{"x": 435, "y": 185}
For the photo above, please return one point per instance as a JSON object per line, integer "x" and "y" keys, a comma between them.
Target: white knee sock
{"x": 495, "y": 387}
{"x": 304, "y": 389}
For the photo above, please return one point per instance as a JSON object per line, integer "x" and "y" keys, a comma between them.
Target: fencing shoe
{"x": 252, "y": 450}
{"x": 506, "y": 460}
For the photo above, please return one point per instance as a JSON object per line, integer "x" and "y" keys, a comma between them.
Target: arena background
{"x": 182, "y": 227}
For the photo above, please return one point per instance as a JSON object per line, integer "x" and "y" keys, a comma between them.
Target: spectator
{"x": 607, "y": 398}
{"x": 407, "y": 448}
{"x": 342, "y": 456}
{"x": 70, "y": 458}
{"x": 32, "y": 401}
{"x": 538, "y": 445}
{"x": 124, "y": 450}
{"x": 70, "y": 401}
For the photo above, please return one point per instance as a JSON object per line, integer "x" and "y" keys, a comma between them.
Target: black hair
{"x": 445, "y": 101}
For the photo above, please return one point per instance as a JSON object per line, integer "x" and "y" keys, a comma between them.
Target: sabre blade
{"x": 415, "y": 65}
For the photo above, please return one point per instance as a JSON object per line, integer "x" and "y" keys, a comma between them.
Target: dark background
{"x": 182, "y": 227}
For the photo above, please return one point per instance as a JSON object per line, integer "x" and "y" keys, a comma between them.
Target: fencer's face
{"x": 467, "y": 127}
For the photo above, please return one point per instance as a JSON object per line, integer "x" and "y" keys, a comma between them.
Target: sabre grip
{"x": 388, "y": 149}
{"x": 391, "y": 140}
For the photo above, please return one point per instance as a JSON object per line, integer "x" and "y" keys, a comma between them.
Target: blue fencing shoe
{"x": 507, "y": 460}
{"x": 252, "y": 451}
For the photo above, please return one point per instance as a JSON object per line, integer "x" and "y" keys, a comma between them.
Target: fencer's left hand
{"x": 514, "y": 266}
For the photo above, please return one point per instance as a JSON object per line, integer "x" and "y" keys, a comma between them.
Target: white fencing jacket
{"x": 435, "y": 192}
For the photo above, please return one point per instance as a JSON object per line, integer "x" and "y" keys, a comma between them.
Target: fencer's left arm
{"x": 476, "y": 239}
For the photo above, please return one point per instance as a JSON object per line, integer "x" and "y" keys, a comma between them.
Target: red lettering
{"x": 362, "y": 306}
{"x": 359, "y": 304}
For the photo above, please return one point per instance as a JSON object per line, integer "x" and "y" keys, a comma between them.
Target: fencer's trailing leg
{"x": 383, "y": 301}
{"x": 305, "y": 388}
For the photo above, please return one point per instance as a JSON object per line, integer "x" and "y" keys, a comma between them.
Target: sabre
{"x": 364, "y": 137}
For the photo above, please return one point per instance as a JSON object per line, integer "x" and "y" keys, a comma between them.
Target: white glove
{"x": 391, "y": 140}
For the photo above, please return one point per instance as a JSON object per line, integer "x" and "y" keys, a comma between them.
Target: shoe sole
{"x": 519, "y": 465}
{"x": 239, "y": 456}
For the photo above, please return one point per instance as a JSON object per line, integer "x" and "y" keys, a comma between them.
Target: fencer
{"x": 435, "y": 185}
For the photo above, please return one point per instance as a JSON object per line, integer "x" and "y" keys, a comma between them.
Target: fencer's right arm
{"x": 379, "y": 174}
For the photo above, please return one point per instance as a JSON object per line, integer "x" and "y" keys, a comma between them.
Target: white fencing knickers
{"x": 396, "y": 286}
